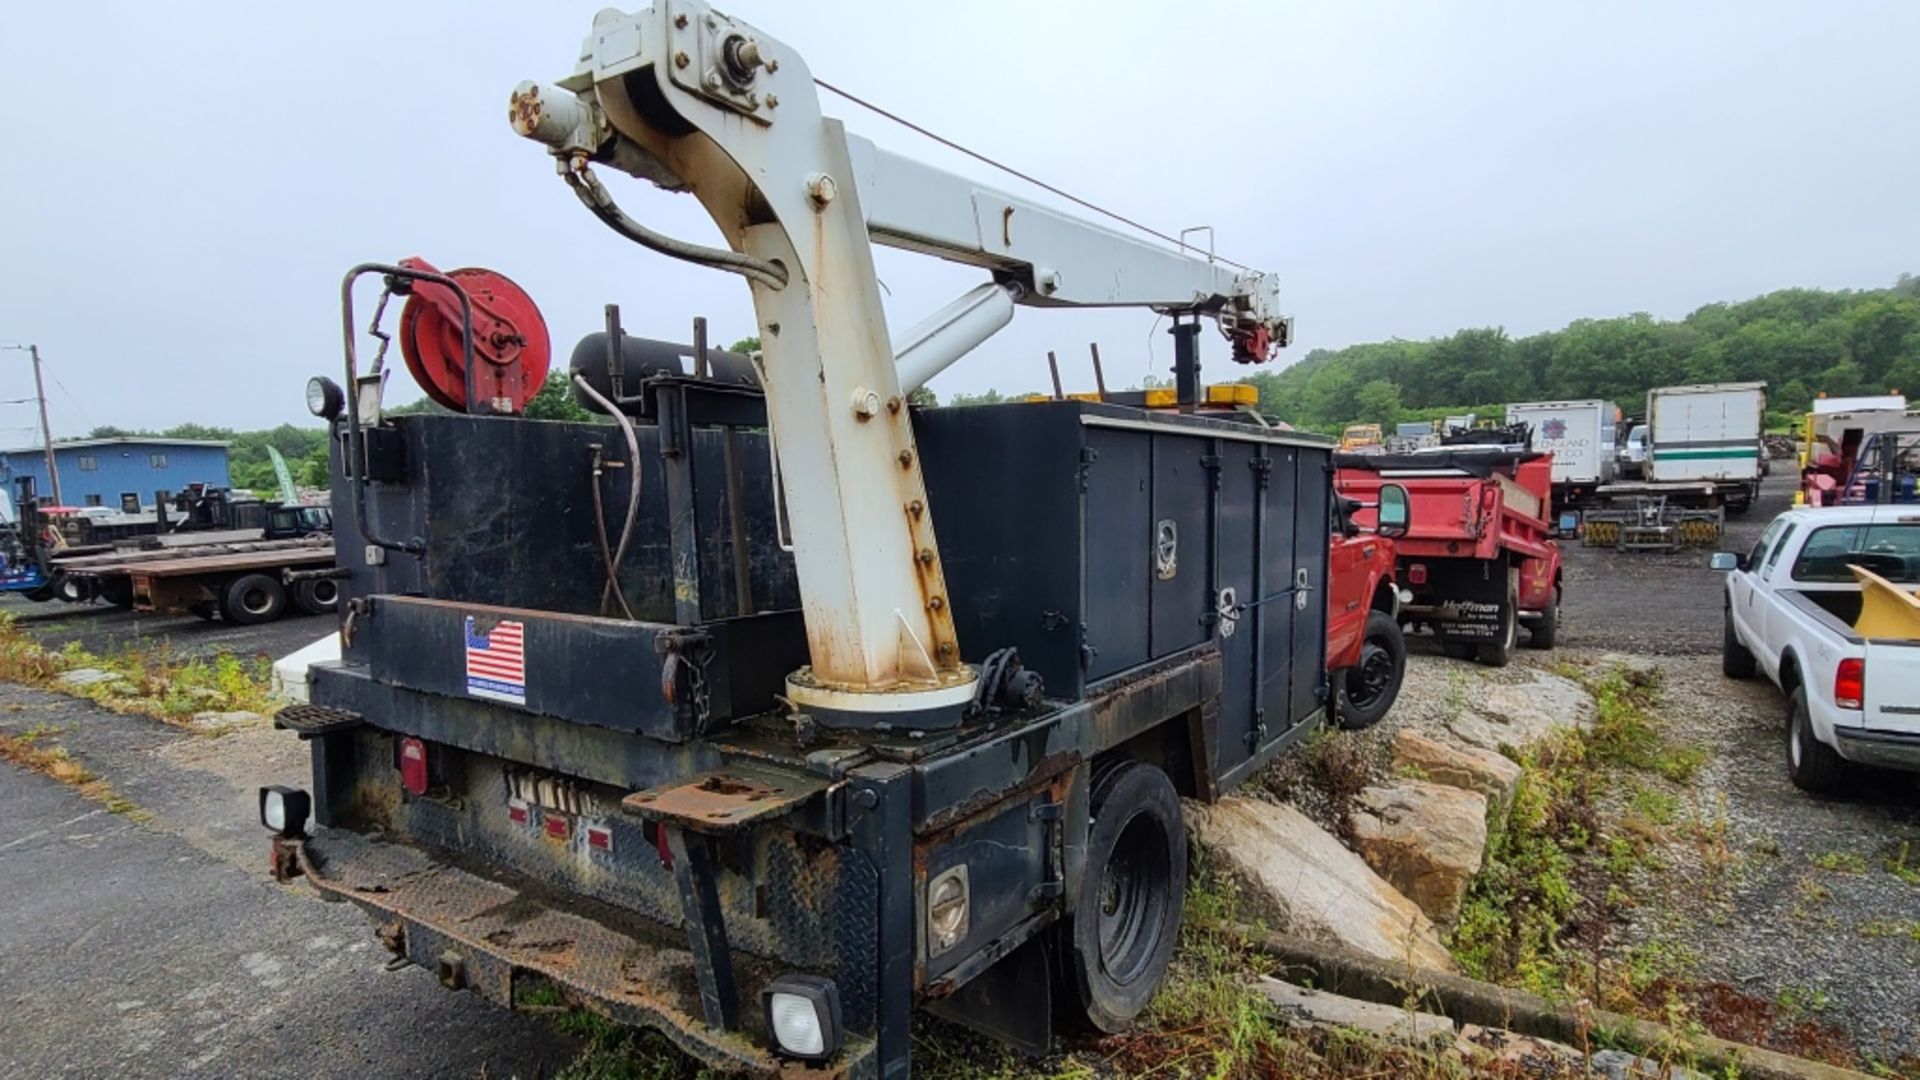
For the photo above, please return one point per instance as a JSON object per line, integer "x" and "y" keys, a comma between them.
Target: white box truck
{"x": 1579, "y": 435}
{"x": 1703, "y": 462}
{"x": 1708, "y": 433}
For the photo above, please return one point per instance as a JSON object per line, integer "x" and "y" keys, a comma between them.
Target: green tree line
{"x": 1801, "y": 342}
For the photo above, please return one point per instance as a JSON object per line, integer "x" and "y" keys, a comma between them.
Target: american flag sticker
{"x": 497, "y": 661}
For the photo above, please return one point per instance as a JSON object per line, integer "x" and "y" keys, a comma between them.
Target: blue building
{"x": 96, "y": 472}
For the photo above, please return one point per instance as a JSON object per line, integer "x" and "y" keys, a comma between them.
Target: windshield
{"x": 1892, "y": 551}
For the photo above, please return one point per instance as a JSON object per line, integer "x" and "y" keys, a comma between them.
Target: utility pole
{"x": 46, "y": 429}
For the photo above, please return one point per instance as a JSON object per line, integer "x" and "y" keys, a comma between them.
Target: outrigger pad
{"x": 724, "y": 799}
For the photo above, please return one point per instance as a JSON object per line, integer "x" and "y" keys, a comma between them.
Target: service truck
{"x": 1579, "y": 435}
{"x": 1823, "y": 606}
{"x": 776, "y": 708}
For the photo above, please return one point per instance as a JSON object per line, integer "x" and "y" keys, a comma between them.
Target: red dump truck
{"x": 1478, "y": 556}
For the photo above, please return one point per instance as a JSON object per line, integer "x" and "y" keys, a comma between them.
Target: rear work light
{"x": 1417, "y": 574}
{"x": 1850, "y": 683}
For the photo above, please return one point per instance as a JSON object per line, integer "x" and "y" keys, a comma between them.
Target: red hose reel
{"x": 511, "y": 350}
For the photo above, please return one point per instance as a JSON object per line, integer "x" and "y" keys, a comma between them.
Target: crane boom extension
{"x": 690, "y": 99}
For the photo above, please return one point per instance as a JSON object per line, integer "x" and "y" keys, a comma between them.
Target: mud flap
{"x": 1011, "y": 1001}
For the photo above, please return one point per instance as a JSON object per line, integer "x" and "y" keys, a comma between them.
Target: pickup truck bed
{"x": 1791, "y": 604}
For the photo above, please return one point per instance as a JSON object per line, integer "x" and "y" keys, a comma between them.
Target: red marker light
{"x": 600, "y": 838}
{"x": 517, "y": 811}
{"x": 558, "y": 827}
{"x": 1850, "y": 683}
{"x": 1417, "y": 574}
{"x": 413, "y": 766}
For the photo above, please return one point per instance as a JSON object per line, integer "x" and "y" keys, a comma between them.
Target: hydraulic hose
{"x": 594, "y": 195}
{"x": 633, "y": 494}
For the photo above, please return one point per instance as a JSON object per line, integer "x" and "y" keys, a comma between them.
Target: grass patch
{"x": 150, "y": 680}
{"x": 33, "y": 749}
{"x": 1841, "y": 862}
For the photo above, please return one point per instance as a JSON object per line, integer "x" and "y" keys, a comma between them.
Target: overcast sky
{"x": 183, "y": 185}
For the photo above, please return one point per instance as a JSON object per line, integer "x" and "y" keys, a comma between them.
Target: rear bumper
{"x": 488, "y": 934}
{"x": 1887, "y": 749}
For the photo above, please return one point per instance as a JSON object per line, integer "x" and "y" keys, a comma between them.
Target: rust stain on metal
{"x": 723, "y": 799}
{"x": 1054, "y": 769}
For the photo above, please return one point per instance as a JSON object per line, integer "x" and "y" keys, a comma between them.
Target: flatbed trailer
{"x": 249, "y": 582}
{"x": 1478, "y": 557}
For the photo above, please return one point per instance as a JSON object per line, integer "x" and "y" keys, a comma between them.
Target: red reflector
{"x": 413, "y": 766}
{"x": 600, "y": 837}
{"x": 1850, "y": 683}
{"x": 557, "y": 826}
{"x": 517, "y": 812}
{"x": 1417, "y": 574}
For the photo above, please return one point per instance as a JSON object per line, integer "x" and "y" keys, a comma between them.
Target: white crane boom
{"x": 690, "y": 99}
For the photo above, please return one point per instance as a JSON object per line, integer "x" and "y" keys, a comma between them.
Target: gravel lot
{"x": 1651, "y": 603}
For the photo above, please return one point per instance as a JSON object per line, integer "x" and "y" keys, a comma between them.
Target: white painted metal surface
{"x": 1709, "y": 431}
{"x": 1579, "y": 435}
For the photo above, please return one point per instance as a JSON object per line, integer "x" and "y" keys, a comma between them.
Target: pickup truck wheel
{"x": 1121, "y": 935}
{"x": 1542, "y": 631}
{"x": 252, "y": 599}
{"x": 1366, "y": 690}
{"x": 1736, "y": 660}
{"x": 1811, "y": 764}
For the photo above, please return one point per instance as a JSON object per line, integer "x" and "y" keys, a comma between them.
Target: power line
{"x": 1011, "y": 171}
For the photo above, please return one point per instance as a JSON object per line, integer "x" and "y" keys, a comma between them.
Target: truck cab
{"x": 1366, "y": 648}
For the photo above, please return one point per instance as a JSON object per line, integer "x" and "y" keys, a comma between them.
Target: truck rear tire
{"x": 317, "y": 597}
{"x": 1811, "y": 764}
{"x": 1499, "y": 653}
{"x": 1736, "y": 660}
{"x": 1542, "y": 631}
{"x": 1367, "y": 690}
{"x": 253, "y": 598}
{"x": 1120, "y": 938}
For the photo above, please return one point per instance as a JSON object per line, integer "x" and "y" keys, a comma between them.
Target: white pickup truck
{"x": 1791, "y": 605}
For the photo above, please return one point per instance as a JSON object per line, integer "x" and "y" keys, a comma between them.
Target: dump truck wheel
{"x": 1120, "y": 938}
{"x": 117, "y": 591}
{"x": 1811, "y": 764}
{"x": 252, "y": 599}
{"x": 1367, "y": 689}
{"x": 205, "y": 609}
{"x": 1542, "y": 631}
{"x": 1736, "y": 660}
{"x": 317, "y": 597}
{"x": 1499, "y": 653}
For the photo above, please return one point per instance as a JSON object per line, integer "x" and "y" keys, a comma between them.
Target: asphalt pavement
{"x": 163, "y": 949}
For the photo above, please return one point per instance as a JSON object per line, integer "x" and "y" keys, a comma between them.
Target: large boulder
{"x": 1426, "y": 839}
{"x": 1303, "y": 881}
{"x": 1456, "y": 764}
{"x": 1518, "y": 714}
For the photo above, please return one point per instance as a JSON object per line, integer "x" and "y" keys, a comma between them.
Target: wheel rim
{"x": 1133, "y": 891}
{"x": 1369, "y": 679}
{"x": 256, "y": 601}
{"x": 326, "y": 593}
{"x": 1793, "y": 742}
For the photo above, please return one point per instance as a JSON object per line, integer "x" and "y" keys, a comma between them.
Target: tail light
{"x": 413, "y": 766}
{"x": 1850, "y": 683}
{"x": 1417, "y": 574}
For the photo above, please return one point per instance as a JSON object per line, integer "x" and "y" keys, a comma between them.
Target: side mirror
{"x": 1727, "y": 560}
{"x": 1392, "y": 516}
